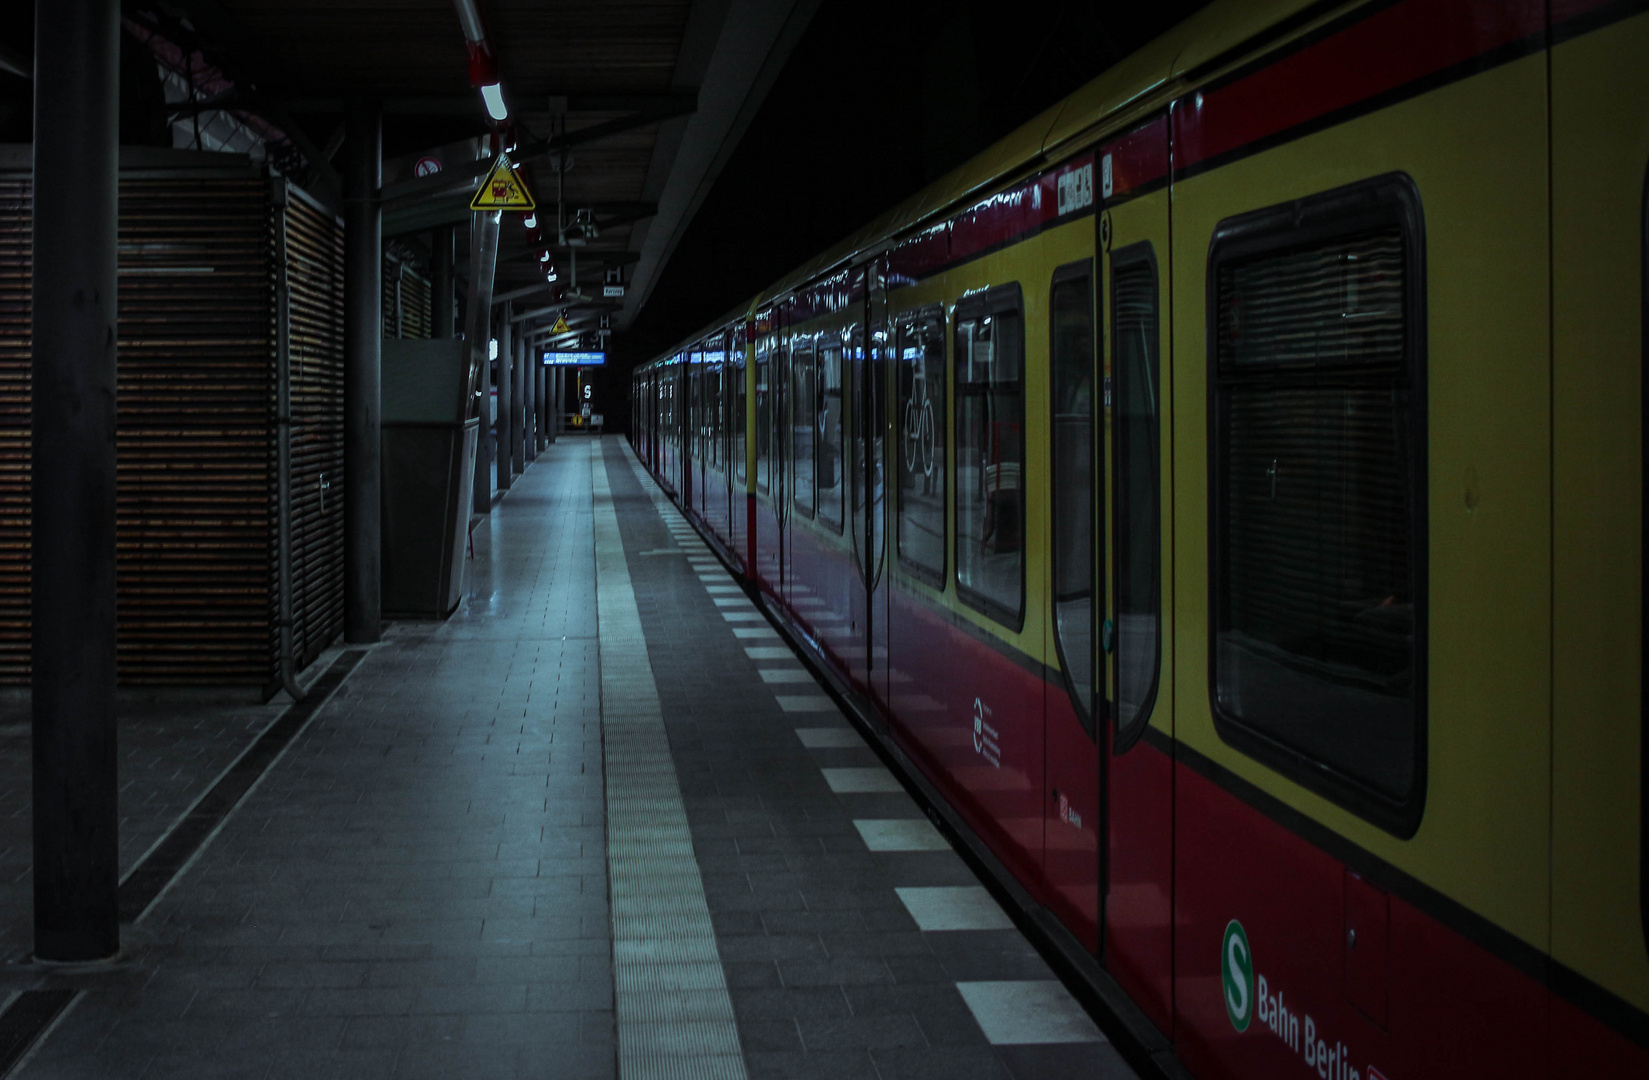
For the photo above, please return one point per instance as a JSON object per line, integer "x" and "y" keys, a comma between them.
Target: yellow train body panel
{"x": 1600, "y": 151}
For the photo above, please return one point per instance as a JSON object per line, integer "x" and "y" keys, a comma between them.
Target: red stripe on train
{"x": 1390, "y": 49}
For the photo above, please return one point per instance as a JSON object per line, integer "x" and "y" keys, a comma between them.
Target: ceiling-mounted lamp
{"x": 483, "y": 62}
{"x": 493, "y": 95}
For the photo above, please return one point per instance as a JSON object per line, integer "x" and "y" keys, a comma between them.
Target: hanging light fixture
{"x": 483, "y": 63}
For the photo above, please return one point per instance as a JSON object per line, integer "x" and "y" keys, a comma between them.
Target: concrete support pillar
{"x": 529, "y": 401}
{"x": 76, "y": 192}
{"x": 483, "y": 261}
{"x": 543, "y": 418}
{"x": 558, "y": 403}
{"x": 518, "y": 418}
{"x": 363, "y": 374}
{"x": 506, "y": 389}
{"x": 483, "y": 441}
{"x": 444, "y": 323}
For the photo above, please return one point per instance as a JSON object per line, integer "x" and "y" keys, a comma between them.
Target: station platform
{"x": 599, "y": 823}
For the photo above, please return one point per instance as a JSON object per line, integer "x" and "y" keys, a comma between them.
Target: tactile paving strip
{"x": 675, "y": 1018}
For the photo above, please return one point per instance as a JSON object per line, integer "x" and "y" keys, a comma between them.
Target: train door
{"x": 700, "y": 378}
{"x": 1073, "y": 821}
{"x": 778, "y": 443}
{"x": 864, "y": 371}
{"x": 737, "y": 467}
{"x": 1136, "y": 727}
{"x": 877, "y": 342}
{"x": 686, "y": 418}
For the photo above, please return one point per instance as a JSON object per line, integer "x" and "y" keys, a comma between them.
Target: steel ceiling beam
{"x": 245, "y": 56}
{"x": 469, "y": 105}
{"x": 463, "y": 179}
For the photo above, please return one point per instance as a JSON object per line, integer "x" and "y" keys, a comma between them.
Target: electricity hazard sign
{"x": 560, "y": 326}
{"x": 502, "y": 189}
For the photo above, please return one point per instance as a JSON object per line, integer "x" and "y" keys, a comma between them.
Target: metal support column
{"x": 529, "y": 400}
{"x": 440, "y": 287}
{"x": 558, "y": 407}
{"x": 538, "y": 401}
{"x": 506, "y": 386}
{"x": 549, "y": 404}
{"x": 483, "y": 262}
{"x": 518, "y": 418}
{"x": 76, "y": 178}
{"x": 363, "y": 375}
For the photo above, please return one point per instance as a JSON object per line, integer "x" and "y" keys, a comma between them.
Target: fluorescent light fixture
{"x": 493, "y": 94}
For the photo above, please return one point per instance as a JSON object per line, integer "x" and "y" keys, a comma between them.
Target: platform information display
{"x": 576, "y": 359}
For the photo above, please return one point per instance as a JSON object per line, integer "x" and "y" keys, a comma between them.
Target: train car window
{"x": 828, "y": 435}
{"x": 990, "y": 454}
{"x": 804, "y": 422}
{"x": 1316, "y": 331}
{"x": 920, "y": 519}
{"x": 764, "y": 418}
{"x": 1071, "y": 455}
{"x": 1137, "y": 488}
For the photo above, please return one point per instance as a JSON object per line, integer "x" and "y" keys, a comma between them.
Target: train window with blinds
{"x": 990, "y": 454}
{"x": 1071, "y": 455}
{"x": 1136, "y": 488}
{"x": 1317, "y": 518}
{"x": 921, "y": 500}
{"x": 828, "y": 438}
{"x": 804, "y": 422}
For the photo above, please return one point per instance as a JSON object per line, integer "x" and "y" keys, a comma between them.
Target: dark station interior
{"x": 824, "y": 539}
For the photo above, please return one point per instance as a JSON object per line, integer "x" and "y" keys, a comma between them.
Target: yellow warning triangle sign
{"x": 502, "y": 189}
{"x": 561, "y": 326}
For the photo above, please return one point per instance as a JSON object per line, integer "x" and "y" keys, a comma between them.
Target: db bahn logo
{"x": 1237, "y": 975}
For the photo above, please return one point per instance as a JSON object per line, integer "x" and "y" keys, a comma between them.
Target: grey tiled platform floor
{"x": 830, "y": 976}
{"x": 418, "y": 888}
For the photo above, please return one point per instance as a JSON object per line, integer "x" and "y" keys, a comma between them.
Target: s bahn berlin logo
{"x": 1237, "y": 975}
{"x": 1246, "y": 993}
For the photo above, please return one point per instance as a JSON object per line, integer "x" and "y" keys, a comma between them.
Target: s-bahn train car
{"x": 1227, "y": 493}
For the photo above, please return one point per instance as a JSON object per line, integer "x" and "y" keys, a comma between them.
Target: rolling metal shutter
{"x": 315, "y": 273}
{"x": 195, "y": 523}
{"x": 406, "y": 301}
{"x": 195, "y": 430}
{"x": 16, "y": 213}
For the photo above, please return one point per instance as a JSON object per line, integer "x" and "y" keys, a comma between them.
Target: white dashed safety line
{"x": 1010, "y": 1012}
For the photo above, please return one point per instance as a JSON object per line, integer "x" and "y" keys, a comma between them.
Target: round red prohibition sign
{"x": 426, "y": 166}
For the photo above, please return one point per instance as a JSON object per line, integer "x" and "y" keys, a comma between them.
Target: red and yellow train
{"x": 1229, "y": 493}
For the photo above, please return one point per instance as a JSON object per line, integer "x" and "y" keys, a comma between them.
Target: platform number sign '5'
{"x": 1237, "y": 975}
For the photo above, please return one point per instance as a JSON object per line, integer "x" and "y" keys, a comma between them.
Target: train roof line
{"x": 1222, "y": 34}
